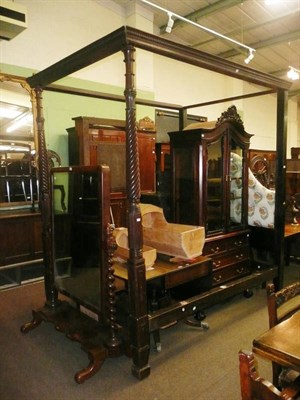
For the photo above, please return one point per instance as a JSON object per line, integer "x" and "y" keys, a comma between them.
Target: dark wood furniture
{"x": 179, "y": 285}
{"x": 281, "y": 344}
{"x": 209, "y": 188}
{"x": 263, "y": 240}
{"x": 254, "y": 387}
{"x": 82, "y": 266}
{"x": 293, "y": 191}
{"x": 126, "y": 39}
{"x": 91, "y": 134}
{"x": 292, "y": 243}
{"x": 281, "y": 305}
{"x": 21, "y": 248}
{"x": 295, "y": 152}
{"x": 95, "y": 141}
{"x": 263, "y": 165}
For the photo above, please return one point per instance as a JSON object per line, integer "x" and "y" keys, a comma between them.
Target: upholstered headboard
{"x": 261, "y": 200}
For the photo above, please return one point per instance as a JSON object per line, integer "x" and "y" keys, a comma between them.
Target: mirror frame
{"x": 23, "y": 83}
{"x": 32, "y": 95}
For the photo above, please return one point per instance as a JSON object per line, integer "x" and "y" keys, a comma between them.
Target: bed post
{"x": 45, "y": 204}
{"x": 138, "y": 316}
{"x": 280, "y": 206}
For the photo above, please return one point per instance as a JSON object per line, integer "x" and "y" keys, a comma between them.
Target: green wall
{"x": 59, "y": 109}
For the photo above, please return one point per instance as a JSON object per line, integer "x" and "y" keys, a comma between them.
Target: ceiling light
{"x": 170, "y": 23}
{"x": 9, "y": 113}
{"x": 271, "y": 2}
{"x": 24, "y": 119}
{"x": 293, "y": 73}
{"x": 250, "y": 56}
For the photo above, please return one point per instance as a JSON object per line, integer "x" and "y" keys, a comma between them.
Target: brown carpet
{"x": 193, "y": 364}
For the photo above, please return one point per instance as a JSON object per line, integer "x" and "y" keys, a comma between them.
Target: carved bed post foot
{"x": 29, "y": 326}
{"x": 97, "y": 357}
{"x": 140, "y": 373}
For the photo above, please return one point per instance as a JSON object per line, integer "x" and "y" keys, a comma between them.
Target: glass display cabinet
{"x": 210, "y": 189}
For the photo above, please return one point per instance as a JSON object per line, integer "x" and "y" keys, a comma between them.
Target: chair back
{"x": 283, "y": 303}
{"x": 253, "y": 387}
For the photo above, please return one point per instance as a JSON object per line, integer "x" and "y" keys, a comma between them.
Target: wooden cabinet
{"x": 21, "y": 247}
{"x": 230, "y": 256}
{"x": 95, "y": 141}
{"x": 209, "y": 188}
{"x": 20, "y": 237}
{"x": 90, "y": 135}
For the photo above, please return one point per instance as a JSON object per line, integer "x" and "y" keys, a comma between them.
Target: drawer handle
{"x": 239, "y": 243}
{"x": 215, "y": 250}
{"x": 239, "y": 256}
{"x": 240, "y": 270}
{"x": 217, "y": 278}
{"x": 216, "y": 263}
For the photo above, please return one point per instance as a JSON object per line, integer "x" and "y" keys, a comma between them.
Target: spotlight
{"x": 250, "y": 56}
{"x": 170, "y": 23}
{"x": 293, "y": 73}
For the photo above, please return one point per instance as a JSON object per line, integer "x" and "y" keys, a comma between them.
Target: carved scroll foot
{"x": 97, "y": 357}
{"x": 29, "y": 326}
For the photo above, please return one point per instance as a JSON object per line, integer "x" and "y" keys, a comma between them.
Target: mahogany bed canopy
{"x": 126, "y": 39}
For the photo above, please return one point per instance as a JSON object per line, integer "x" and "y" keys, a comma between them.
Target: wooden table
{"x": 172, "y": 273}
{"x": 281, "y": 344}
{"x": 291, "y": 233}
{"x": 166, "y": 309}
{"x": 291, "y": 230}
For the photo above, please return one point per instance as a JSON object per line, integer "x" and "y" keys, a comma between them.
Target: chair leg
{"x": 157, "y": 342}
{"x": 276, "y": 372}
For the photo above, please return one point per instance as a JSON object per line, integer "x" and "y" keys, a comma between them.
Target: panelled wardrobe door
{"x": 209, "y": 188}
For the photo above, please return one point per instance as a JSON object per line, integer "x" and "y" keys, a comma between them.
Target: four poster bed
{"x": 140, "y": 322}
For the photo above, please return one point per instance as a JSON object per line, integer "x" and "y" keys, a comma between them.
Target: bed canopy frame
{"x": 126, "y": 39}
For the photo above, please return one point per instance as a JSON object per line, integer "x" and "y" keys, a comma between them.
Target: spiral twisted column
{"x": 138, "y": 317}
{"x": 113, "y": 342}
{"x": 45, "y": 203}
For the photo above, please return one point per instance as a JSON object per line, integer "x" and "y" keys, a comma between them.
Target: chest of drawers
{"x": 230, "y": 254}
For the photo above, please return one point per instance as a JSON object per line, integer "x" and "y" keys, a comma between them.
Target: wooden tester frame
{"x": 126, "y": 39}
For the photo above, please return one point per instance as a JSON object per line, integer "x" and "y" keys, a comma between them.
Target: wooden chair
{"x": 253, "y": 387}
{"x": 281, "y": 305}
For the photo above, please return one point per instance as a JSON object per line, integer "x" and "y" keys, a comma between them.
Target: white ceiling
{"x": 273, "y": 30}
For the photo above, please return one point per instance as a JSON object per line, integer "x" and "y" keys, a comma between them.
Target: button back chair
{"x": 281, "y": 305}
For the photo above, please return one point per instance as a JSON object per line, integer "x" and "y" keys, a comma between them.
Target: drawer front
{"x": 230, "y": 257}
{"x": 238, "y": 242}
{"x": 216, "y": 247}
{"x": 187, "y": 274}
{"x": 229, "y": 273}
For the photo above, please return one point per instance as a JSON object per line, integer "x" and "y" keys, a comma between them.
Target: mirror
{"x": 18, "y": 177}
